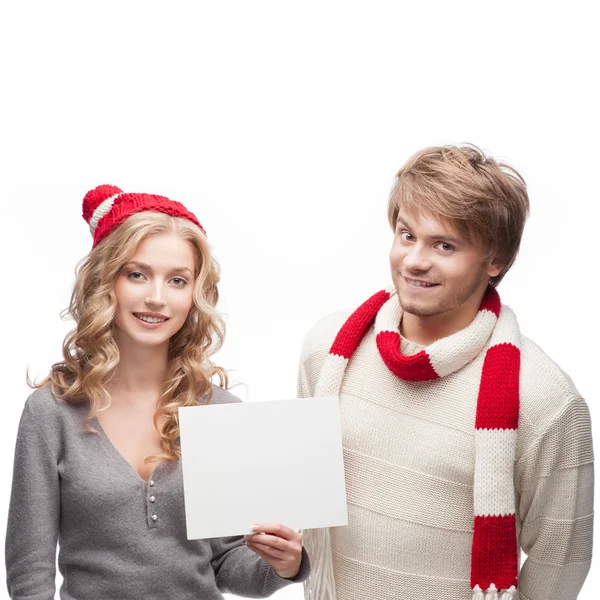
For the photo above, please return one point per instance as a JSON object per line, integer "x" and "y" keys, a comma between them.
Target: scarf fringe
{"x": 478, "y": 594}
{"x": 321, "y": 583}
{"x": 493, "y": 594}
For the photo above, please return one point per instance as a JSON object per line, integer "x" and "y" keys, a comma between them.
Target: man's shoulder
{"x": 322, "y": 334}
{"x": 546, "y": 390}
{"x": 545, "y": 374}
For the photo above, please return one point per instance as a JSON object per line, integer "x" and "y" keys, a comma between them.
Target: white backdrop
{"x": 281, "y": 125}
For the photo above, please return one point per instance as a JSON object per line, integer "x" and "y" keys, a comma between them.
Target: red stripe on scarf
{"x": 491, "y": 302}
{"x": 494, "y": 555}
{"x": 498, "y": 403}
{"x": 354, "y": 329}
{"x": 411, "y": 368}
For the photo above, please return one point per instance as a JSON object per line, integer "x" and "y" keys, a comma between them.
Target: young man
{"x": 463, "y": 442}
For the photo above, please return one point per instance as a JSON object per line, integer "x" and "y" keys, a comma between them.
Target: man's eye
{"x": 445, "y": 247}
{"x": 407, "y": 237}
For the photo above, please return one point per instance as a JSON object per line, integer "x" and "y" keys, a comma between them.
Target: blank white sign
{"x": 276, "y": 462}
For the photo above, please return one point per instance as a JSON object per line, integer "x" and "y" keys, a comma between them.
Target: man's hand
{"x": 279, "y": 545}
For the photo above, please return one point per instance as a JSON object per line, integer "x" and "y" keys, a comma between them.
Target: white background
{"x": 281, "y": 125}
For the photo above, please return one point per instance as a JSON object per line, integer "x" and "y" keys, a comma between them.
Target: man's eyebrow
{"x": 442, "y": 237}
{"x": 141, "y": 265}
{"x": 445, "y": 238}
{"x": 399, "y": 220}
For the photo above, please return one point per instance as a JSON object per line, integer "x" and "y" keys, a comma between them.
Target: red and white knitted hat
{"x": 106, "y": 207}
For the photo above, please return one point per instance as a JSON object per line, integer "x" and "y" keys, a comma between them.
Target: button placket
{"x": 151, "y": 504}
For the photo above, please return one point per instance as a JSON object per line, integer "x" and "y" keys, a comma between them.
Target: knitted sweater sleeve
{"x": 303, "y": 387}
{"x": 240, "y": 571}
{"x": 33, "y": 519}
{"x": 555, "y": 478}
{"x": 314, "y": 352}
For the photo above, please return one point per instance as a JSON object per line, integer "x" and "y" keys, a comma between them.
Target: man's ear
{"x": 495, "y": 267}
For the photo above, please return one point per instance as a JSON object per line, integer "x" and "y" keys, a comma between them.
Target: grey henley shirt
{"x": 120, "y": 538}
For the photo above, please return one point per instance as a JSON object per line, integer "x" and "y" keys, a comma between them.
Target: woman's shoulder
{"x": 222, "y": 396}
{"x": 48, "y": 419}
{"x": 44, "y": 407}
{"x": 42, "y": 403}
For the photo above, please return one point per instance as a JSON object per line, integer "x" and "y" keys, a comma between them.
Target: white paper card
{"x": 277, "y": 462}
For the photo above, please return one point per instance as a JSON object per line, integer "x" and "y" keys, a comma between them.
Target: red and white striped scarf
{"x": 494, "y": 554}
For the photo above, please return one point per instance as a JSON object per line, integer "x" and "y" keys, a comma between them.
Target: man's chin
{"x": 419, "y": 309}
{"x": 418, "y": 312}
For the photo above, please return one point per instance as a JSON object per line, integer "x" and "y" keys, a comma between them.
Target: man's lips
{"x": 420, "y": 282}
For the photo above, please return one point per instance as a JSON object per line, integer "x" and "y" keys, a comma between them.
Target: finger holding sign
{"x": 279, "y": 545}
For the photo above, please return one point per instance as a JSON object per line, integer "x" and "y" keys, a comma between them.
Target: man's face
{"x": 435, "y": 271}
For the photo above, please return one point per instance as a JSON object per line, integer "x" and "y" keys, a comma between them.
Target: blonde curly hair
{"x": 90, "y": 353}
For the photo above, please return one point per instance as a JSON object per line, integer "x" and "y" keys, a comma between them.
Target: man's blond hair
{"x": 478, "y": 197}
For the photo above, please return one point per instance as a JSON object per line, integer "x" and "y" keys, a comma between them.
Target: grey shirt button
{"x": 151, "y": 482}
{"x": 154, "y": 517}
{"x": 152, "y": 498}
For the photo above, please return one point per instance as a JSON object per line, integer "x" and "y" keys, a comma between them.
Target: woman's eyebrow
{"x": 141, "y": 265}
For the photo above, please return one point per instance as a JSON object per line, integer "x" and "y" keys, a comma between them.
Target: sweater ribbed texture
{"x": 409, "y": 451}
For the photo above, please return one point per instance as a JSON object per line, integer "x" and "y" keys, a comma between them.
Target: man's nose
{"x": 417, "y": 259}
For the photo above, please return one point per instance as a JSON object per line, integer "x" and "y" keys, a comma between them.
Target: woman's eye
{"x": 179, "y": 281}
{"x": 136, "y": 275}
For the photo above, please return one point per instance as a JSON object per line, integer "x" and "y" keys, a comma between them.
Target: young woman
{"x": 97, "y": 460}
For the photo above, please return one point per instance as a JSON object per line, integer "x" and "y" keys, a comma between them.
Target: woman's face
{"x": 154, "y": 290}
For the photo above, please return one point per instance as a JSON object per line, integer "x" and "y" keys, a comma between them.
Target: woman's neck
{"x": 141, "y": 372}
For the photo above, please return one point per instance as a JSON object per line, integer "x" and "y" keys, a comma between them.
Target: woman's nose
{"x": 156, "y": 297}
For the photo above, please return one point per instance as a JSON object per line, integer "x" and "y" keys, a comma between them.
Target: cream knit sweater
{"x": 409, "y": 462}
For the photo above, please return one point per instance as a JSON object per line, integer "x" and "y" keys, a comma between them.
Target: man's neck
{"x": 426, "y": 330}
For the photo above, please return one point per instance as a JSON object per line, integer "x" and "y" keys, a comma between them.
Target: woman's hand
{"x": 279, "y": 545}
